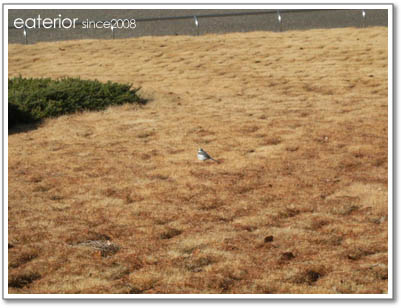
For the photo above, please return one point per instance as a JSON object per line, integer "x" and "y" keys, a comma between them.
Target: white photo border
{"x": 391, "y": 150}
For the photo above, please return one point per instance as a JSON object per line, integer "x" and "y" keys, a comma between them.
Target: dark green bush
{"x": 31, "y": 100}
{"x": 16, "y": 115}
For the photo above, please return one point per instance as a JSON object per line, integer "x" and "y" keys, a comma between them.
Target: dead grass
{"x": 116, "y": 201}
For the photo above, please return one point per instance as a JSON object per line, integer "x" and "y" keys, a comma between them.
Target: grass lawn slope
{"x": 115, "y": 201}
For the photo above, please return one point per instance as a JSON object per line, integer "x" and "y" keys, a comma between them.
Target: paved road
{"x": 158, "y": 22}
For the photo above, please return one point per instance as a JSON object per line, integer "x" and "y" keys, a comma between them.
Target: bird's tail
{"x": 215, "y": 160}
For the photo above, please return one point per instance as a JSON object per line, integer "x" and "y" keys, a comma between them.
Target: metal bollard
{"x": 279, "y": 21}
{"x": 363, "y": 19}
{"x": 196, "y": 25}
{"x": 25, "y": 36}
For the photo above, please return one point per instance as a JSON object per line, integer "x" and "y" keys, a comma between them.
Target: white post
{"x": 25, "y": 36}
{"x": 196, "y": 25}
{"x": 363, "y": 19}
{"x": 279, "y": 20}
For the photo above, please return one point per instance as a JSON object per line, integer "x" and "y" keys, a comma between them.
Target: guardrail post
{"x": 25, "y": 36}
{"x": 363, "y": 19}
{"x": 196, "y": 25}
{"x": 279, "y": 21}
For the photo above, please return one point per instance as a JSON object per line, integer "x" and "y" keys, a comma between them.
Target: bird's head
{"x": 200, "y": 150}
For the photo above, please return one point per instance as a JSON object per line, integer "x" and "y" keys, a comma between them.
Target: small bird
{"x": 202, "y": 155}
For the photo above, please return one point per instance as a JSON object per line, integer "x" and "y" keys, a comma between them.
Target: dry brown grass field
{"x": 117, "y": 202}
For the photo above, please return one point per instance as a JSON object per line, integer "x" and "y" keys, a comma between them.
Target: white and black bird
{"x": 202, "y": 155}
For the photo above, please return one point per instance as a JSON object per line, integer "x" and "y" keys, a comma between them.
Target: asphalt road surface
{"x": 134, "y": 23}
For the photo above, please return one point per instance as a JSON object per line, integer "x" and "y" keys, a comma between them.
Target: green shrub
{"x": 31, "y": 100}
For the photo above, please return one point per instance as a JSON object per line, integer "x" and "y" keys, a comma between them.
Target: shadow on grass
{"x": 21, "y": 121}
{"x": 22, "y": 128}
